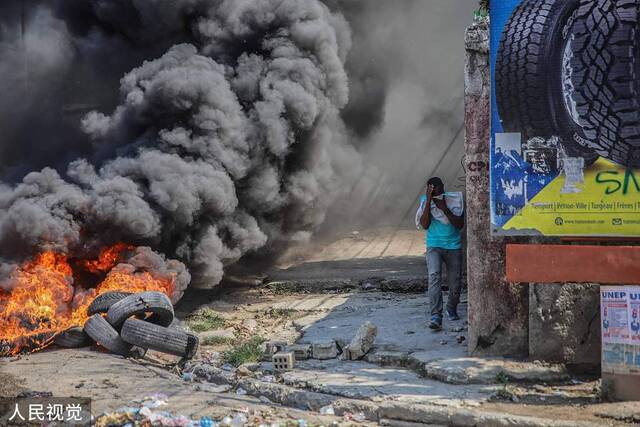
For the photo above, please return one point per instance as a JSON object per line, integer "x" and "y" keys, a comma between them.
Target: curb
{"x": 392, "y": 413}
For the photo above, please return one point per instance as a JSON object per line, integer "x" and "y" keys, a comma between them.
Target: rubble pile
{"x": 130, "y": 324}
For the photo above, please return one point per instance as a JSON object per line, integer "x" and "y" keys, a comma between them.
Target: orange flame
{"x": 107, "y": 259}
{"x": 43, "y": 299}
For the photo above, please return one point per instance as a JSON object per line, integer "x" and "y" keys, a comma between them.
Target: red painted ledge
{"x": 619, "y": 265}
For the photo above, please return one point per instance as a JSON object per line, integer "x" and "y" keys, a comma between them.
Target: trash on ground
{"x": 327, "y": 410}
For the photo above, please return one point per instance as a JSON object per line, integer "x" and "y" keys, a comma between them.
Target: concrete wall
{"x": 542, "y": 321}
{"x": 564, "y": 324}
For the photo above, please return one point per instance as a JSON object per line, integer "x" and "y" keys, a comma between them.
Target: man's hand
{"x": 440, "y": 204}
{"x": 429, "y": 191}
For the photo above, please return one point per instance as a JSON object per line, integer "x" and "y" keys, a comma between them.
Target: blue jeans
{"x": 453, "y": 259}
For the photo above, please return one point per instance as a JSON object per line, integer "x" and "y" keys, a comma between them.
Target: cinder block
{"x": 300, "y": 351}
{"x": 283, "y": 361}
{"x": 272, "y": 347}
{"x": 324, "y": 350}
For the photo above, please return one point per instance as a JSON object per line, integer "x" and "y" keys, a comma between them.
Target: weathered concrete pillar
{"x": 498, "y": 312}
{"x": 564, "y": 324}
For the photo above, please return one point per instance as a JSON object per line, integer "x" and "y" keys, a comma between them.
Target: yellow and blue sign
{"x": 565, "y": 139}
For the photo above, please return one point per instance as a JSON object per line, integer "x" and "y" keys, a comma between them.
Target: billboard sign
{"x": 565, "y": 138}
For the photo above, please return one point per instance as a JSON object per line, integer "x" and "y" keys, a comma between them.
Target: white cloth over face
{"x": 454, "y": 201}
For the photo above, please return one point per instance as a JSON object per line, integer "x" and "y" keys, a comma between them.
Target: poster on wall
{"x": 565, "y": 138}
{"x": 615, "y": 329}
{"x": 619, "y": 314}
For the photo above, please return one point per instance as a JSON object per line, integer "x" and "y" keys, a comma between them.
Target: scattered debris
{"x": 359, "y": 417}
{"x": 460, "y": 339}
{"x": 327, "y": 410}
{"x": 361, "y": 343}
{"x": 443, "y": 342}
{"x": 457, "y": 329}
{"x": 250, "y": 324}
{"x": 144, "y": 414}
{"x": 243, "y": 371}
{"x": 323, "y": 350}
{"x": 281, "y": 312}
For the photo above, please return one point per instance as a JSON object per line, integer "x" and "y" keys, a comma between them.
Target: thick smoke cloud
{"x": 229, "y": 141}
{"x": 405, "y": 107}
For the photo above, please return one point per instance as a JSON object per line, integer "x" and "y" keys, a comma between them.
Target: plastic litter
{"x": 241, "y": 392}
{"x": 239, "y": 420}
{"x": 327, "y": 410}
{"x": 206, "y": 422}
{"x": 302, "y": 422}
{"x": 187, "y": 376}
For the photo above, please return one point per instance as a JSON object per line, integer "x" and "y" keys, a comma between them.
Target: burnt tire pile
{"x": 130, "y": 324}
{"x": 571, "y": 68}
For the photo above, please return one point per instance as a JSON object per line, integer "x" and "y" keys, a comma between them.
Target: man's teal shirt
{"x": 440, "y": 235}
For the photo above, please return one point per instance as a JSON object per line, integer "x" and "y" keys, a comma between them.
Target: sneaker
{"x": 452, "y": 315}
{"x": 435, "y": 323}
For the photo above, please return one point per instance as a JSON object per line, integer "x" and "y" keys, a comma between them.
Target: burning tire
{"x": 602, "y": 79}
{"x": 159, "y": 338}
{"x": 103, "y": 333}
{"x": 528, "y": 72}
{"x": 103, "y": 302}
{"x": 74, "y": 337}
{"x": 140, "y": 304}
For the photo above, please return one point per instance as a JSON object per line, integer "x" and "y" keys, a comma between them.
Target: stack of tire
{"x": 571, "y": 68}
{"x": 129, "y": 324}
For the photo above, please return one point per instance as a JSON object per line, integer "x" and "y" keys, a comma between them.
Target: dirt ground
{"x": 412, "y": 373}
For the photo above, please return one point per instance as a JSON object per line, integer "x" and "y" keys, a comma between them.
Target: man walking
{"x": 442, "y": 216}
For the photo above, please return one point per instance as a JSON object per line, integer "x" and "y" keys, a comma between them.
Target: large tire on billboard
{"x": 601, "y": 79}
{"x": 528, "y": 72}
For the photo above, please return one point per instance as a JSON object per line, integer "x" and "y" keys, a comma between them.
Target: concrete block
{"x": 361, "y": 343}
{"x": 272, "y": 347}
{"x": 283, "y": 361}
{"x": 300, "y": 351}
{"x": 324, "y": 350}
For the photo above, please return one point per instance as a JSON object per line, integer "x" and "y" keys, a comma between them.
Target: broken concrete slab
{"x": 469, "y": 370}
{"x": 361, "y": 380}
{"x": 361, "y": 343}
{"x": 322, "y": 350}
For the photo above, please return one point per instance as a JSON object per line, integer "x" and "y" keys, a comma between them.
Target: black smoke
{"x": 223, "y": 138}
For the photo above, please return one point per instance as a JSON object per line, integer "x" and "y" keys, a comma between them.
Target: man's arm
{"x": 425, "y": 219}
{"x": 457, "y": 221}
